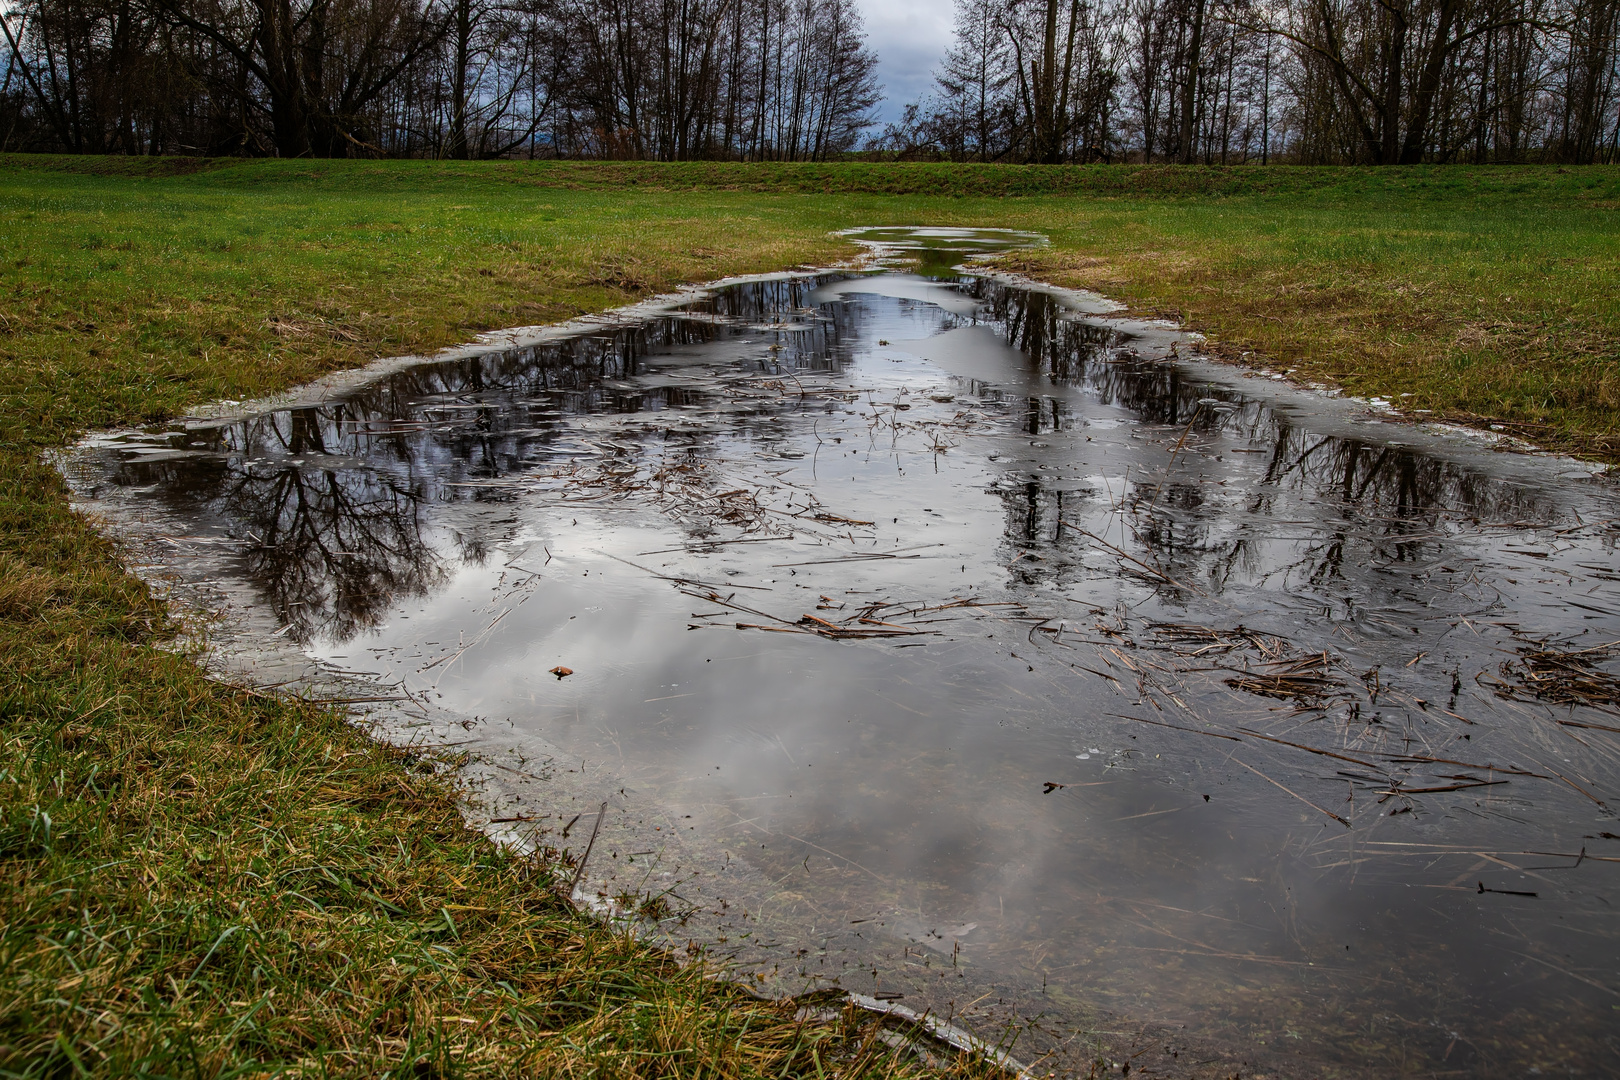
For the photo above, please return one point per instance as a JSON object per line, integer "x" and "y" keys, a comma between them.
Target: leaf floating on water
{"x": 562, "y": 672}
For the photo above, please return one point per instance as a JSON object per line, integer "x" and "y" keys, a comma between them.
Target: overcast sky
{"x": 909, "y": 37}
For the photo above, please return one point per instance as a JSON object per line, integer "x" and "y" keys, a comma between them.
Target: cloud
{"x": 909, "y": 37}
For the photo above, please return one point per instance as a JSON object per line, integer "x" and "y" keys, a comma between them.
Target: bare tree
{"x": 1041, "y": 81}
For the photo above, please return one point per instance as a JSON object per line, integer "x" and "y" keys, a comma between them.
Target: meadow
{"x": 210, "y": 880}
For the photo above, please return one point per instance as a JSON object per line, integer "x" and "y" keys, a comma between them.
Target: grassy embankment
{"x": 198, "y": 879}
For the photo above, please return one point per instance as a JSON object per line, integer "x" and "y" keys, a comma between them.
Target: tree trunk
{"x": 289, "y": 113}
{"x": 1434, "y": 67}
{"x": 1394, "y": 58}
{"x": 1189, "y": 93}
{"x": 458, "y": 91}
{"x": 1044, "y": 82}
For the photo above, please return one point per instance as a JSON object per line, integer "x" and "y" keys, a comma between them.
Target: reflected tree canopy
{"x": 334, "y": 500}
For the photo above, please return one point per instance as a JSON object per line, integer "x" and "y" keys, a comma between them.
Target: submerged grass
{"x": 200, "y": 880}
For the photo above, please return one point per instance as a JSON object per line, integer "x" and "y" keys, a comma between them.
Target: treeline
{"x": 764, "y": 80}
{"x": 1310, "y": 81}
{"x": 1043, "y": 81}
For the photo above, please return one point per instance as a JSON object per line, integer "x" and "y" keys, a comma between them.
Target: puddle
{"x": 954, "y": 642}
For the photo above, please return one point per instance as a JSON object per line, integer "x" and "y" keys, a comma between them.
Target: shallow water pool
{"x": 955, "y": 640}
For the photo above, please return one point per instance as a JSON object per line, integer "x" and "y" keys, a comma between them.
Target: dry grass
{"x": 1559, "y": 674}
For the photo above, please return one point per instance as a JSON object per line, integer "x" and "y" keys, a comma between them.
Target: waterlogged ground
{"x": 946, "y": 639}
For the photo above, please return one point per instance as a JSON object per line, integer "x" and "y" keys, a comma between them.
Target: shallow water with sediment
{"x": 961, "y": 642}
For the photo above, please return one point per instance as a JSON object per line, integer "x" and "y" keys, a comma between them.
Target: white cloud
{"x": 909, "y": 37}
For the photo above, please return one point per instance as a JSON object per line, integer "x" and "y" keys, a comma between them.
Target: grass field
{"x": 202, "y": 881}
{"x": 1485, "y": 294}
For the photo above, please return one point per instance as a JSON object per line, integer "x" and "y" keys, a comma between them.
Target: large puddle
{"x": 946, "y": 639}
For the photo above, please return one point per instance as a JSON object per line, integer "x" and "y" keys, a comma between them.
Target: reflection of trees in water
{"x": 335, "y": 549}
{"x": 494, "y": 408}
{"x": 1036, "y": 512}
{"x": 1400, "y": 483}
{"x": 1385, "y": 505}
{"x": 1045, "y": 330}
{"x": 1388, "y": 498}
{"x": 331, "y": 496}
{"x": 1065, "y": 348}
{"x": 1040, "y": 415}
{"x": 760, "y": 301}
{"x": 1034, "y": 415}
{"x": 821, "y": 337}
{"x": 334, "y": 491}
{"x": 331, "y": 549}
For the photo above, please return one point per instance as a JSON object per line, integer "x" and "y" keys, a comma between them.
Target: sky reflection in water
{"x": 1218, "y": 739}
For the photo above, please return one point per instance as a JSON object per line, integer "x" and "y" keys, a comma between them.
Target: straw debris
{"x": 1559, "y": 675}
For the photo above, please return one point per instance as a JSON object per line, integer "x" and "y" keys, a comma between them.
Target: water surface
{"x": 1010, "y": 662}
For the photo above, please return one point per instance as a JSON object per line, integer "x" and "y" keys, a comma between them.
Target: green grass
{"x": 200, "y": 881}
{"x": 1487, "y": 299}
{"x": 1485, "y": 294}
